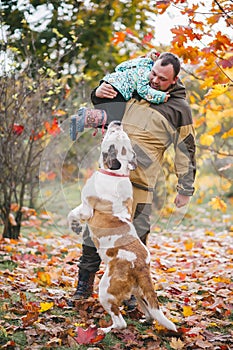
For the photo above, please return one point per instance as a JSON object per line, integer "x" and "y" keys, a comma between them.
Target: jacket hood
{"x": 178, "y": 90}
{"x": 176, "y": 110}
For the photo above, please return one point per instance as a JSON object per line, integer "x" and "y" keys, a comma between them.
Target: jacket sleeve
{"x": 185, "y": 163}
{"x": 129, "y": 64}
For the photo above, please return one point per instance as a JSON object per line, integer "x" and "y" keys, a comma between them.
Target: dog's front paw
{"x": 76, "y": 226}
{"x": 74, "y": 223}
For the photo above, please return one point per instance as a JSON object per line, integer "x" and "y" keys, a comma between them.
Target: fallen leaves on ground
{"x": 191, "y": 267}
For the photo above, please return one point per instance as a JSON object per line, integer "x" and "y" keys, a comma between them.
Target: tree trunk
{"x": 10, "y": 231}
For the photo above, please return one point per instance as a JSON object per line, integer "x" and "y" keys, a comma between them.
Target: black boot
{"x": 130, "y": 304}
{"x": 85, "y": 285}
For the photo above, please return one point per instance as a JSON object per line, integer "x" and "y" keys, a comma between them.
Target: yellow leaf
{"x": 222, "y": 280}
{"x": 207, "y": 83}
{"x": 215, "y": 130}
{"x": 228, "y": 72}
{"x": 80, "y": 324}
{"x": 187, "y": 311}
{"x": 44, "y": 277}
{"x": 212, "y": 118}
{"x": 217, "y": 90}
{"x": 217, "y": 203}
{"x": 45, "y": 306}
{"x": 55, "y": 31}
{"x": 213, "y": 324}
{"x": 189, "y": 244}
{"x": 227, "y": 134}
{"x": 206, "y": 140}
{"x": 79, "y": 22}
{"x": 209, "y": 233}
{"x": 184, "y": 287}
{"x": 42, "y": 176}
{"x": 177, "y": 344}
{"x": 171, "y": 269}
{"x": 199, "y": 122}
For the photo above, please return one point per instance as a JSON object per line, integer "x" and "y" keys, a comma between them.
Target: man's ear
{"x": 175, "y": 80}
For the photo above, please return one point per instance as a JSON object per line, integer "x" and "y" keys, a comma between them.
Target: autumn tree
{"x": 74, "y": 36}
{"x": 25, "y": 126}
{"x": 204, "y": 45}
{"x": 45, "y": 45}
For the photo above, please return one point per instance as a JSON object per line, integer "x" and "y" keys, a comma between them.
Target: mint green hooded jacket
{"x": 133, "y": 75}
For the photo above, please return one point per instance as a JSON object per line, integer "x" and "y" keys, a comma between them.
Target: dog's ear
{"x": 133, "y": 162}
{"x": 131, "y": 156}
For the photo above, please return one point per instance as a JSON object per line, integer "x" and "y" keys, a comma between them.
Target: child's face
{"x": 162, "y": 77}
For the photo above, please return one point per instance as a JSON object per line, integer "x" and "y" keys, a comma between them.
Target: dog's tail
{"x": 147, "y": 299}
{"x": 159, "y": 316}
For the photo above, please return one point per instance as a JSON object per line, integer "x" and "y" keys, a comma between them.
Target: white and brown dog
{"x": 106, "y": 207}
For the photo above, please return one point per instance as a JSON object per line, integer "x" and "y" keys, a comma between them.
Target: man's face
{"x": 162, "y": 77}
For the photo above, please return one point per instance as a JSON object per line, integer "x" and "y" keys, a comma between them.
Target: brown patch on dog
{"x": 128, "y": 203}
{"x": 112, "y": 252}
{"x": 105, "y": 225}
{"x": 102, "y": 205}
{"x": 121, "y": 282}
{"x": 127, "y": 277}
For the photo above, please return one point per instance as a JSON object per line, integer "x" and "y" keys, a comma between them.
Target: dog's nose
{"x": 115, "y": 125}
{"x": 116, "y": 122}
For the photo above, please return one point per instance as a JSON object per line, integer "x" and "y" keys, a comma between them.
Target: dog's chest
{"x": 109, "y": 194}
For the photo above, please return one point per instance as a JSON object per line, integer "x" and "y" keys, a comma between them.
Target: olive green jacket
{"x": 152, "y": 129}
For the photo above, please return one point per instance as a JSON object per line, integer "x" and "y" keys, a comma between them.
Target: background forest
{"x": 52, "y": 54}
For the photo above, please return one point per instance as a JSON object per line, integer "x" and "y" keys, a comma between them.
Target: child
{"x": 129, "y": 76}
{"x": 133, "y": 75}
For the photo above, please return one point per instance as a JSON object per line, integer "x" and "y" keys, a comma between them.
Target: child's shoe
{"x": 87, "y": 118}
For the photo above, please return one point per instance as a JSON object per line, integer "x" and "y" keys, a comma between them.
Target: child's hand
{"x": 166, "y": 97}
{"x": 105, "y": 91}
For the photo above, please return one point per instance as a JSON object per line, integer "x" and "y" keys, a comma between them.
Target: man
{"x": 152, "y": 128}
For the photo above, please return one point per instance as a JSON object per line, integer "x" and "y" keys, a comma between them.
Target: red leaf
{"x": 227, "y": 63}
{"x": 53, "y": 128}
{"x": 88, "y": 336}
{"x": 18, "y": 129}
{"x": 148, "y": 37}
{"x": 119, "y": 37}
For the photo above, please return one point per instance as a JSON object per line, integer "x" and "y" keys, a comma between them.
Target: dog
{"x": 106, "y": 208}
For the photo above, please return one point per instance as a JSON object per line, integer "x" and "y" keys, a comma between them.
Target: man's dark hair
{"x": 167, "y": 58}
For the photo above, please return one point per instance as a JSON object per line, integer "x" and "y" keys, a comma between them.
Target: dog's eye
{"x": 105, "y": 156}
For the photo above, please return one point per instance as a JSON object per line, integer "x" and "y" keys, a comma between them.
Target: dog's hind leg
{"x": 110, "y": 305}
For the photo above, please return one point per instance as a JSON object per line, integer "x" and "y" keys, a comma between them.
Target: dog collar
{"x": 111, "y": 174}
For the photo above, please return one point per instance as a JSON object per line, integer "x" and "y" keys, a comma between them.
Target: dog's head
{"x": 116, "y": 150}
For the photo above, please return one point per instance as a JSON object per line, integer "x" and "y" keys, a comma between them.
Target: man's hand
{"x": 181, "y": 200}
{"x": 105, "y": 91}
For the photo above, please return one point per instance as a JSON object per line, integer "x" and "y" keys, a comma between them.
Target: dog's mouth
{"x": 110, "y": 159}
{"x": 114, "y": 164}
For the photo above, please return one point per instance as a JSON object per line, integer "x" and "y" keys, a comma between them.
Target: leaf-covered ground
{"x": 192, "y": 269}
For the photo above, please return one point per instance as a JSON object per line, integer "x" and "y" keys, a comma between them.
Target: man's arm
{"x": 185, "y": 164}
